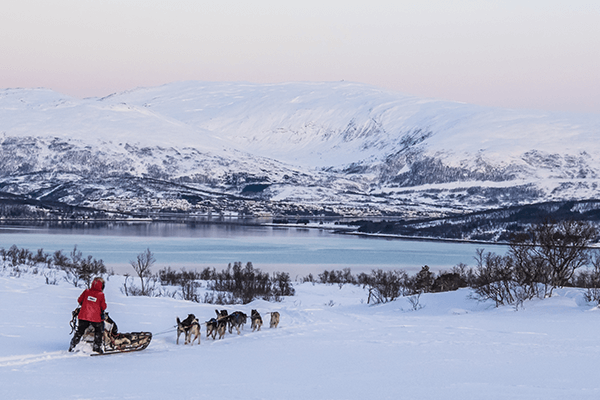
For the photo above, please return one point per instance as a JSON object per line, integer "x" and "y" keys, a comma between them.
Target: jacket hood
{"x": 97, "y": 285}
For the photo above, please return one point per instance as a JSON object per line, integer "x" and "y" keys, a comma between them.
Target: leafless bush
{"x": 386, "y": 286}
{"x": 142, "y": 266}
{"x": 51, "y": 278}
{"x": 151, "y": 287}
{"x": 422, "y": 282}
{"x": 187, "y": 281}
{"x": 79, "y": 269}
{"x": 541, "y": 259}
{"x": 549, "y": 253}
{"x": 465, "y": 272}
{"x": 16, "y": 256}
{"x": 281, "y": 285}
{"x": 207, "y": 274}
{"x": 218, "y": 298}
{"x": 448, "y": 281}
{"x": 338, "y": 277}
{"x": 245, "y": 283}
{"x": 414, "y": 301}
{"x": 59, "y": 259}
{"x": 494, "y": 279}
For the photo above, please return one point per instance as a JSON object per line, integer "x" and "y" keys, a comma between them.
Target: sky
{"x": 532, "y": 54}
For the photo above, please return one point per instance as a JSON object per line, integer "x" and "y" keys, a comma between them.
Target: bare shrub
{"x": 59, "y": 259}
{"x": 337, "y": 277}
{"x": 549, "y": 253}
{"x": 142, "y": 266}
{"x": 414, "y": 301}
{"x": 386, "y": 286}
{"x": 282, "y": 285}
{"x": 187, "y": 281}
{"x": 245, "y": 283}
{"x": 51, "y": 278}
{"x": 207, "y": 273}
{"x": 448, "y": 281}
{"x": 151, "y": 287}
{"x": 218, "y": 298}
{"x": 79, "y": 269}
{"x": 422, "y": 282}
{"x": 494, "y": 279}
{"x": 465, "y": 272}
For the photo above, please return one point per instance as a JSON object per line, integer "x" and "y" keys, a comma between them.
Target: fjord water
{"x": 296, "y": 250}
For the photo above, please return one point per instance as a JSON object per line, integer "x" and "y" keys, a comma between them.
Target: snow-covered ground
{"x": 329, "y": 345}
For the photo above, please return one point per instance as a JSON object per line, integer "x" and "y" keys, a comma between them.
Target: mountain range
{"x": 321, "y": 148}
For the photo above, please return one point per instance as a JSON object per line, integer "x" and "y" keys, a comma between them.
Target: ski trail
{"x": 11, "y": 361}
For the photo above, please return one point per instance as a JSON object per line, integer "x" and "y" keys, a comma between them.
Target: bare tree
{"x": 143, "y": 267}
{"x": 550, "y": 252}
{"x": 494, "y": 278}
{"x": 541, "y": 259}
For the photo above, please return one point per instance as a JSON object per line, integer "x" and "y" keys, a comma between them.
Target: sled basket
{"x": 126, "y": 341}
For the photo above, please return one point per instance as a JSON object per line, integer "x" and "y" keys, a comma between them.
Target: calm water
{"x": 299, "y": 251}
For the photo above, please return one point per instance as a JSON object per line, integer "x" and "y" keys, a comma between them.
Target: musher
{"x": 93, "y": 304}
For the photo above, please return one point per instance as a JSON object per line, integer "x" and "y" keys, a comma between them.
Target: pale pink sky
{"x": 540, "y": 54}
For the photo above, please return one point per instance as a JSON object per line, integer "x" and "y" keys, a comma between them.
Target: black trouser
{"x": 82, "y": 326}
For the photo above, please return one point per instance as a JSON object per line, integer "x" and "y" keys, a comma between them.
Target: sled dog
{"x": 222, "y": 320}
{"x": 190, "y": 328}
{"x": 256, "y": 320}
{"x": 237, "y": 320}
{"x": 274, "y": 319}
{"x": 211, "y": 328}
{"x": 194, "y": 333}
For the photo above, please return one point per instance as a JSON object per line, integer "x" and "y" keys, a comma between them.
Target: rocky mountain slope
{"x": 296, "y": 148}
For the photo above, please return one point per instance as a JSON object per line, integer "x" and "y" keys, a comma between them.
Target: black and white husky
{"x": 190, "y": 328}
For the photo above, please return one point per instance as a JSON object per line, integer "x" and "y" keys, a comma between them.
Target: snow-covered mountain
{"x": 334, "y": 147}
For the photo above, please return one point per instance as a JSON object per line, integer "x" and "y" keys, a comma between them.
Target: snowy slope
{"x": 332, "y": 124}
{"x": 335, "y": 143}
{"x": 329, "y": 345}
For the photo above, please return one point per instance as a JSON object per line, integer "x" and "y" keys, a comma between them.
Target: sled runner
{"x": 114, "y": 342}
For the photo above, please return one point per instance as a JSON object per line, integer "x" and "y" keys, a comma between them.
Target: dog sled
{"x": 113, "y": 341}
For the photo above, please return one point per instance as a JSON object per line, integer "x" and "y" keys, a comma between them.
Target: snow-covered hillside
{"x": 319, "y": 145}
{"x": 329, "y": 345}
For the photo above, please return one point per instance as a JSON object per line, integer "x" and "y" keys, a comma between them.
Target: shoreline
{"x": 341, "y": 229}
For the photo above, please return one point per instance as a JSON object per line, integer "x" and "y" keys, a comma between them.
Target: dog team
{"x": 190, "y": 327}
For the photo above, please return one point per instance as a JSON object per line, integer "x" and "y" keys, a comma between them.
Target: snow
{"x": 329, "y": 345}
{"x": 316, "y": 143}
{"x": 309, "y": 124}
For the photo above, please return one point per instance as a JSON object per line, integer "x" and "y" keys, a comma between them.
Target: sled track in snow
{"x": 11, "y": 361}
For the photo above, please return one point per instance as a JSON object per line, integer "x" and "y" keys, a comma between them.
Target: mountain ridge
{"x": 329, "y": 147}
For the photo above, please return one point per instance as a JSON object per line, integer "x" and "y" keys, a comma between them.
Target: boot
{"x": 97, "y": 349}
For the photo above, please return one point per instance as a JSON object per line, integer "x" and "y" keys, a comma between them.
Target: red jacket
{"x": 92, "y": 303}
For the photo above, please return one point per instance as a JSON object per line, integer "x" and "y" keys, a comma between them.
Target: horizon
{"x": 507, "y": 54}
